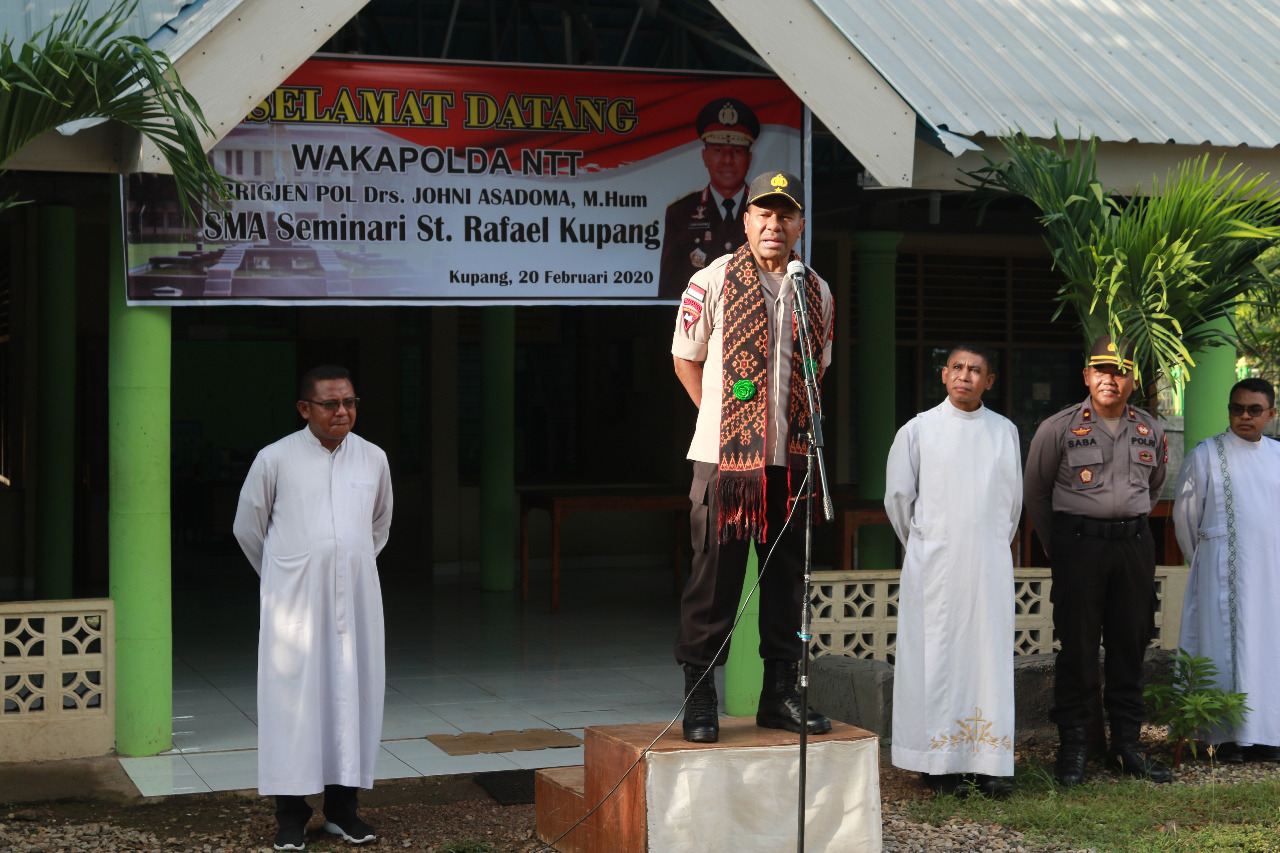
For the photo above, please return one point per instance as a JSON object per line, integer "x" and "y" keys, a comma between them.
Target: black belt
{"x": 1107, "y": 528}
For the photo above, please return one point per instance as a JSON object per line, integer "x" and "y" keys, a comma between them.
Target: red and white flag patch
{"x": 691, "y": 305}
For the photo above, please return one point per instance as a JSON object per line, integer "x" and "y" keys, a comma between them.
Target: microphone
{"x": 796, "y": 270}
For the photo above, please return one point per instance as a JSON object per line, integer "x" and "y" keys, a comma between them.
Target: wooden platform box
{"x": 735, "y": 795}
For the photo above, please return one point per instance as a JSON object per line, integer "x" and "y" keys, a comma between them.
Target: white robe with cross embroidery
{"x": 954, "y": 496}
{"x": 312, "y": 523}
{"x": 1201, "y": 519}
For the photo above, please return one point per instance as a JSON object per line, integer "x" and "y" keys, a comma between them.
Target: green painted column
{"x": 877, "y": 345}
{"x": 744, "y": 670}
{"x": 1204, "y": 402}
{"x": 138, "y": 518}
{"x": 56, "y": 406}
{"x": 497, "y": 448}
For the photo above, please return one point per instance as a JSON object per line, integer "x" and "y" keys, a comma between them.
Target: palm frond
{"x": 77, "y": 68}
{"x": 1164, "y": 269}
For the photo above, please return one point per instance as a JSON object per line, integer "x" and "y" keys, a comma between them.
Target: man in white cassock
{"x": 1227, "y": 513}
{"x": 954, "y": 496}
{"x": 313, "y": 515}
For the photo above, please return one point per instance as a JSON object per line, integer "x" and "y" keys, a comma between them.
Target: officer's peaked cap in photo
{"x": 727, "y": 121}
{"x": 768, "y": 184}
{"x": 1105, "y": 352}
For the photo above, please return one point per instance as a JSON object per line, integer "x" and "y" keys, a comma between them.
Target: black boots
{"x": 1127, "y": 756}
{"x": 340, "y": 815}
{"x": 780, "y": 701}
{"x": 960, "y": 785}
{"x": 292, "y": 814}
{"x": 1072, "y": 754}
{"x": 701, "y": 719}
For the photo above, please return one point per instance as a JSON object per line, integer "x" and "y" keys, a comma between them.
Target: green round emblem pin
{"x": 744, "y": 389}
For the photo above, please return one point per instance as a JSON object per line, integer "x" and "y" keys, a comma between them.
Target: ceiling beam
{"x": 842, "y": 89}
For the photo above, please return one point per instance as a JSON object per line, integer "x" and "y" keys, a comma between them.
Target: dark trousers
{"x": 1103, "y": 593}
{"x": 710, "y": 600}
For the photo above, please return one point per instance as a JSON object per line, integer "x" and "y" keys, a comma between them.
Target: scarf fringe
{"x": 741, "y": 507}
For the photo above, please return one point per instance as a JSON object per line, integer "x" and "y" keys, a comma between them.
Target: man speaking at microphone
{"x": 737, "y": 353}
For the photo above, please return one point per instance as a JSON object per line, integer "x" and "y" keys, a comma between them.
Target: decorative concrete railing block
{"x": 855, "y": 614}
{"x": 57, "y": 679}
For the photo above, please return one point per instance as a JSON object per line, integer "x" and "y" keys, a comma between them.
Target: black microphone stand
{"x": 813, "y": 457}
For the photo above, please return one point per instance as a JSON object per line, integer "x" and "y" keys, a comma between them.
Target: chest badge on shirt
{"x": 1086, "y": 475}
{"x": 1143, "y": 429}
{"x": 1146, "y": 456}
{"x": 1082, "y": 430}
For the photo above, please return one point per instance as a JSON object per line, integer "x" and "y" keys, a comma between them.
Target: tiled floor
{"x": 458, "y": 660}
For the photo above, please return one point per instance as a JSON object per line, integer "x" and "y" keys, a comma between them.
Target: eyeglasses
{"x": 1255, "y": 411}
{"x": 331, "y": 406}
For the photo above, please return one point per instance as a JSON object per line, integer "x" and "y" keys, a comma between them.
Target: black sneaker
{"x": 352, "y": 829}
{"x": 291, "y": 837}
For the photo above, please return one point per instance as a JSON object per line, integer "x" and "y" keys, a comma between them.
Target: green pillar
{"x": 1204, "y": 402}
{"x": 877, "y": 263}
{"x": 744, "y": 670}
{"x": 56, "y": 406}
{"x": 497, "y": 448}
{"x": 138, "y": 519}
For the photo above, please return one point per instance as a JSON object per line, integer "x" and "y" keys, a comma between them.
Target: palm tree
{"x": 1164, "y": 269}
{"x": 77, "y": 69}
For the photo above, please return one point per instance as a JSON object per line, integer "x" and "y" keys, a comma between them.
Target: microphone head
{"x": 796, "y": 268}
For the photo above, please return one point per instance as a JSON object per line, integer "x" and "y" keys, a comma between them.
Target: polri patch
{"x": 1086, "y": 475}
{"x": 1143, "y": 429}
{"x": 1146, "y": 456}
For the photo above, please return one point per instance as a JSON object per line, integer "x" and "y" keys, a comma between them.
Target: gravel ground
{"x": 421, "y": 816}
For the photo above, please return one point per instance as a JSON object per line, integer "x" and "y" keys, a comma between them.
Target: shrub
{"x": 1191, "y": 703}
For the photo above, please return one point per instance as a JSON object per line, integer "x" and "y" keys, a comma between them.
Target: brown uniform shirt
{"x": 1076, "y": 466}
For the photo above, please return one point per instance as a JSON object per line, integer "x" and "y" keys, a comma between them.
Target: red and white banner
{"x": 384, "y": 182}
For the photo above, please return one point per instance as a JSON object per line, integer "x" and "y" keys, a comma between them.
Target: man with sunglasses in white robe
{"x": 314, "y": 513}
{"x": 1225, "y": 512}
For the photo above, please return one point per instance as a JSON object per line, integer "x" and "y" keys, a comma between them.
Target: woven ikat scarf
{"x": 740, "y": 491}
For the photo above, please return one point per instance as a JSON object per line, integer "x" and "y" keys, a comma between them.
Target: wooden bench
{"x": 560, "y": 501}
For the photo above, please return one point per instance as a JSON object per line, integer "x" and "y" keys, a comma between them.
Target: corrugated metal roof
{"x": 1181, "y": 71}
{"x": 21, "y": 18}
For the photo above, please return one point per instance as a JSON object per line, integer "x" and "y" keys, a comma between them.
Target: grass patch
{"x": 1124, "y": 816}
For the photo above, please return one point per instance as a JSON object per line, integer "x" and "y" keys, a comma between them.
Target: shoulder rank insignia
{"x": 1086, "y": 475}
{"x": 1143, "y": 429}
{"x": 1082, "y": 430}
{"x": 1133, "y": 416}
{"x": 1086, "y": 415}
{"x": 1146, "y": 456}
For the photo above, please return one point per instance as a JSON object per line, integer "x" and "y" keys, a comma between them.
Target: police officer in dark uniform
{"x": 1094, "y": 472}
{"x": 707, "y": 223}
